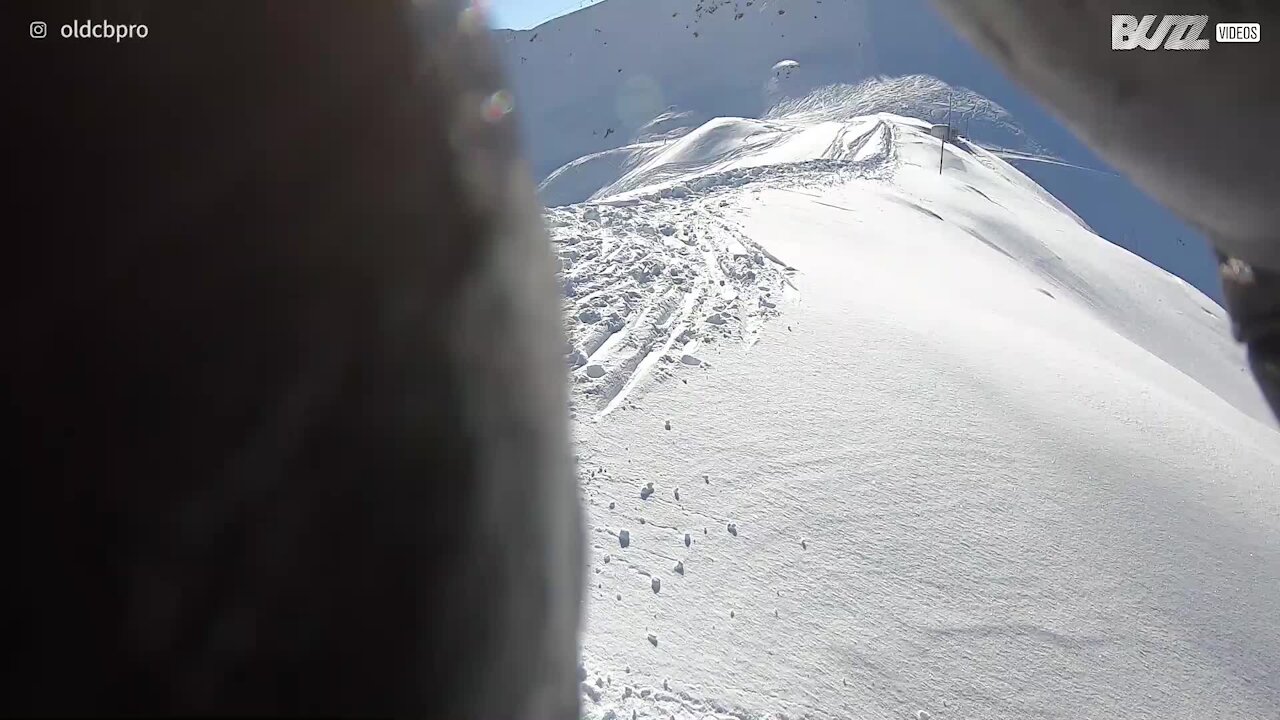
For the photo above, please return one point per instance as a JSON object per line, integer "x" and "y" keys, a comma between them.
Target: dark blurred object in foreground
{"x": 282, "y": 355}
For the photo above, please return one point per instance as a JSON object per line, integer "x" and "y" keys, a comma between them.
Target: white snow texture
{"x": 881, "y": 441}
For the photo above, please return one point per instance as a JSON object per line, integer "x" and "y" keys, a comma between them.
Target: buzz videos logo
{"x": 1176, "y": 32}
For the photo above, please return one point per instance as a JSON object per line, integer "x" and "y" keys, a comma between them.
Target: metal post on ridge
{"x": 942, "y": 149}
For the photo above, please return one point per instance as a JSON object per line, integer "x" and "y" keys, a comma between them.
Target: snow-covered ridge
{"x": 834, "y": 122}
{"x": 729, "y": 144}
{"x": 658, "y": 247}
{"x": 589, "y": 81}
{"x": 724, "y": 150}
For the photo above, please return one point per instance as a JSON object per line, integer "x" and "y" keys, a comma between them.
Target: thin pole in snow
{"x": 942, "y": 149}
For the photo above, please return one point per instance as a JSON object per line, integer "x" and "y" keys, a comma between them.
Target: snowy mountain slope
{"x": 920, "y": 445}
{"x": 590, "y": 81}
{"x": 997, "y": 205}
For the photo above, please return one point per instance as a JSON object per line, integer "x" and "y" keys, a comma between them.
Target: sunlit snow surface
{"x": 979, "y": 462}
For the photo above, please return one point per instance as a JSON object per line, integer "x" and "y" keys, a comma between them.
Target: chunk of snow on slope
{"x": 784, "y": 68}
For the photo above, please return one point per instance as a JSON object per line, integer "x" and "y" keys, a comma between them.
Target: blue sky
{"x": 524, "y": 14}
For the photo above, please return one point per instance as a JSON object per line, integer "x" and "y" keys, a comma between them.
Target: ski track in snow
{"x": 643, "y": 297}
{"x": 963, "y": 459}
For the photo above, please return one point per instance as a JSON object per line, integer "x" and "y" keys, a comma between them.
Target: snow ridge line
{"x": 860, "y": 161}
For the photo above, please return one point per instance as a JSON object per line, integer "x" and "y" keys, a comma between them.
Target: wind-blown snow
{"x": 859, "y": 439}
{"x": 579, "y": 180}
{"x": 917, "y": 96}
